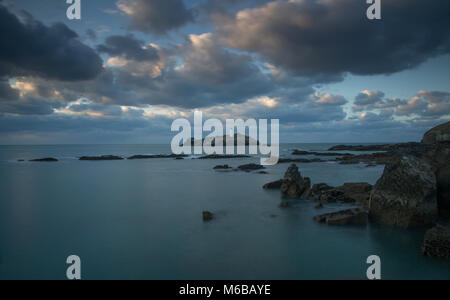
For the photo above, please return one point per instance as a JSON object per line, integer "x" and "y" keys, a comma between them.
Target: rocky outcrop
{"x": 437, "y": 242}
{"x": 406, "y": 194}
{"x": 208, "y": 216}
{"x": 437, "y": 134}
{"x": 355, "y": 216}
{"x": 300, "y": 153}
{"x": 299, "y": 160}
{"x": 348, "y": 193}
{"x": 250, "y": 167}
{"x": 99, "y": 158}
{"x": 176, "y": 156}
{"x": 439, "y": 158}
{"x": 385, "y": 147}
{"x": 294, "y": 185}
{"x": 217, "y": 156}
{"x": 48, "y": 159}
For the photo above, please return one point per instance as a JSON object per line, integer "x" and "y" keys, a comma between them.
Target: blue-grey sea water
{"x": 142, "y": 219}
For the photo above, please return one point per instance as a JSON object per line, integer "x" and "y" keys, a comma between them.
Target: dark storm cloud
{"x": 156, "y": 16}
{"x": 333, "y": 37}
{"x": 30, "y": 106}
{"x": 32, "y": 48}
{"x": 128, "y": 47}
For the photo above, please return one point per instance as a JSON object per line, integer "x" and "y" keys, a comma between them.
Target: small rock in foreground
{"x": 207, "y": 216}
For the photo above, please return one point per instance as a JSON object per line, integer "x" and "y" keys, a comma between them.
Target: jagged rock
{"x": 355, "y": 216}
{"x": 437, "y": 134}
{"x": 437, "y": 242}
{"x": 294, "y": 185}
{"x": 208, "y": 216}
{"x": 48, "y": 159}
{"x": 224, "y": 167}
{"x": 251, "y": 167}
{"x": 406, "y": 194}
{"x": 273, "y": 185}
{"x": 104, "y": 157}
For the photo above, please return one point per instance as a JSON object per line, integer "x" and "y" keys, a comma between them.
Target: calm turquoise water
{"x": 142, "y": 220}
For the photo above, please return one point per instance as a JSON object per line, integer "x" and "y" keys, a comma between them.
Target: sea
{"x": 142, "y": 219}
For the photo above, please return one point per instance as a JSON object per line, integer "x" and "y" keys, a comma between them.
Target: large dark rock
{"x": 406, "y": 194}
{"x": 437, "y": 242}
{"x": 439, "y": 158}
{"x": 100, "y": 158}
{"x": 437, "y": 134}
{"x": 294, "y": 185}
{"x": 355, "y": 216}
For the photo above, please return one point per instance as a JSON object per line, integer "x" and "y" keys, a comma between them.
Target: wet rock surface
{"x": 406, "y": 194}
{"x": 437, "y": 242}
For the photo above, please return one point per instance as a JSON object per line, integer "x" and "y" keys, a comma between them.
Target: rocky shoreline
{"x": 414, "y": 190}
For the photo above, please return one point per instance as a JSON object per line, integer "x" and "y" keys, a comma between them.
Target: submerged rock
{"x": 355, "y": 216}
{"x": 299, "y": 160}
{"x": 208, "y": 216}
{"x": 104, "y": 157}
{"x": 406, "y": 194}
{"x": 437, "y": 242}
{"x": 319, "y": 206}
{"x": 48, "y": 159}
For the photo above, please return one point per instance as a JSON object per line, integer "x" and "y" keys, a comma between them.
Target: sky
{"x": 129, "y": 68}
